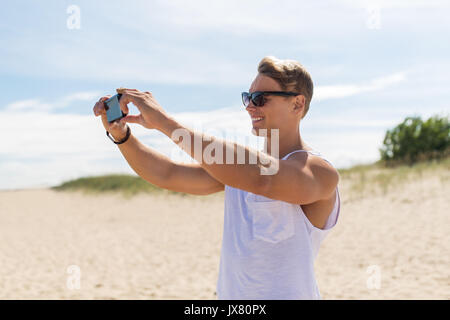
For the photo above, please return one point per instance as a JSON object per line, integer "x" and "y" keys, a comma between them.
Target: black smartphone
{"x": 112, "y": 107}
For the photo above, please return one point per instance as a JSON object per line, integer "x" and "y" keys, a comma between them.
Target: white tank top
{"x": 269, "y": 247}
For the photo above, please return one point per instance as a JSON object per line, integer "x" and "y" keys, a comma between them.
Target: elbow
{"x": 162, "y": 180}
{"x": 332, "y": 185}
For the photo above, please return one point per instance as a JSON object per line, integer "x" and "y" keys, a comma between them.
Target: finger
{"x": 105, "y": 121}
{"x": 122, "y": 90}
{"x": 123, "y": 103}
{"x": 132, "y": 119}
{"x": 95, "y": 109}
{"x": 99, "y": 106}
{"x": 99, "y": 109}
{"x": 104, "y": 98}
{"x": 130, "y": 96}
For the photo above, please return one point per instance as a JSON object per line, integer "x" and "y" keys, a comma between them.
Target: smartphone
{"x": 112, "y": 107}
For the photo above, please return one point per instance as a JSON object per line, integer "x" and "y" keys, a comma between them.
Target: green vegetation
{"x": 128, "y": 185}
{"x": 376, "y": 177}
{"x": 411, "y": 150}
{"x": 358, "y": 179}
{"x": 414, "y": 140}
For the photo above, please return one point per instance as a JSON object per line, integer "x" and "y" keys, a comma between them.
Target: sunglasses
{"x": 258, "y": 99}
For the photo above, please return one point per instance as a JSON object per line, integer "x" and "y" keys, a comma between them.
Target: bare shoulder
{"x": 328, "y": 177}
{"x": 301, "y": 179}
{"x": 321, "y": 169}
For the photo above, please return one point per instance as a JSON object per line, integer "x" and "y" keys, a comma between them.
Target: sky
{"x": 373, "y": 63}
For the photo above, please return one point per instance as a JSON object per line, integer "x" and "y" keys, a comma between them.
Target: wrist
{"x": 119, "y": 138}
{"x": 168, "y": 126}
{"x": 119, "y": 135}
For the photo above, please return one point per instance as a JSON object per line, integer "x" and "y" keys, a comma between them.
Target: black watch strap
{"x": 123, "y": 140}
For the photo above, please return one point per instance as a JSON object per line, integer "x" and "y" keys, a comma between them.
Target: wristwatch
{"x": 121, "y": 141}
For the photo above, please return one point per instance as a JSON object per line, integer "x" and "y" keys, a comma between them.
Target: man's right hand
{"x": 117, "y": 129}
{"x": 155, "y": 167}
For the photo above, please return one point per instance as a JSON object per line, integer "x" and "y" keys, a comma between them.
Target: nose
{"x": 250, "y": 109}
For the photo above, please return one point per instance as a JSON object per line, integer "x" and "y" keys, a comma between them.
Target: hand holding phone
{"x": 117, "y": 129}
{"x": 112, "y": 107}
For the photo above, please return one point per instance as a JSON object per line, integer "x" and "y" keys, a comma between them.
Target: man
{"x": 274, "y": 222}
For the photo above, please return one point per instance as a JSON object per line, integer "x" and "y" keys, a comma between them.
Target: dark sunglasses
{"x": 258, "y": 99}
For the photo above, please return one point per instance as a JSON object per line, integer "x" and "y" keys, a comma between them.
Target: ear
{"x": 299, "y": 105}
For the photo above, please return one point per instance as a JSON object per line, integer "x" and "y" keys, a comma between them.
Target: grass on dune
{"x": 360, "y": 178}
{"x": 127, "y": 184}
{"x": 377, "y": 176}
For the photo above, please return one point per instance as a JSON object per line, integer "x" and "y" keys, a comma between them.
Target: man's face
{"x": 276, "y": 111}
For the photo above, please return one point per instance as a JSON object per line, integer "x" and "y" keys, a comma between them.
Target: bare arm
{"x": 155, "y": 167}
{"x": 295, "y": 180}
{"x": 160, "y": 170}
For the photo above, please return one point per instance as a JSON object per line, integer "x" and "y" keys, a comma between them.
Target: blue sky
{"x": 373, "y": 63}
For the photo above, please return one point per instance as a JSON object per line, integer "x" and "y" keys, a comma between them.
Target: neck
{"x": 288, "y": 141}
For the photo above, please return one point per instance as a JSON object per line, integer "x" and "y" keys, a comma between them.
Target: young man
{"x": 274, "y": 221}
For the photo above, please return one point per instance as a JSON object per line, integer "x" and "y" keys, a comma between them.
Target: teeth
{"x": 256, "y": 119}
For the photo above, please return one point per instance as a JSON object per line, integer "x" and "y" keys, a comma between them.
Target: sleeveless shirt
{"x": 269, "y": 247}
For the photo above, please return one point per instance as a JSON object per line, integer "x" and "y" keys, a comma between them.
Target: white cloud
{"x": 232, "y": 16}
{"x": 192, "y": 44}
{"x": 268, "y": 17}
{"x": 30, "y": 104}
{"x": 78, "y": 96}
{"x": 398, "y": 3}
{"x": 341, "y": 91}
{"x": 195, "y": 42}
{"x": 37, "y": 105}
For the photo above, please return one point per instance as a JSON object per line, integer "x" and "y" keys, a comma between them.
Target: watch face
{"x": 113, "y": 111}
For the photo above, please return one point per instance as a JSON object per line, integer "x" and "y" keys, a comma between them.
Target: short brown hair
{"x": 290, "y": 74}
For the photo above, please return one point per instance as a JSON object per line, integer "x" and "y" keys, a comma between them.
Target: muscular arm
{"x": 268, "y": 176}
{"x": 160, "y": 170}
{"x": 295, "y": 181}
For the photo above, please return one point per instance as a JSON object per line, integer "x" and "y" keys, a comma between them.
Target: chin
{"x": 256, "y": 132}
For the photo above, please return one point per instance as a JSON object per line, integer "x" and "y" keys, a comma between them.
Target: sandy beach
{"x": 386, "y": 245}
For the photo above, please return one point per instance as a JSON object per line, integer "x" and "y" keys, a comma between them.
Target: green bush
{"x": 414, "y": 140}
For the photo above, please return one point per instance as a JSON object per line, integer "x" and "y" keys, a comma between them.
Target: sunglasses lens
{"x": 258, "y": 100}
{"x": 245, "y": 98}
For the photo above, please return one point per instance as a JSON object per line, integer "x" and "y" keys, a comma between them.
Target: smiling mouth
{"x": 257, "y": 119}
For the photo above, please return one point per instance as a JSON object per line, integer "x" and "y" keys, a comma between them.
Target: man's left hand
{"x": 151, "y": 116}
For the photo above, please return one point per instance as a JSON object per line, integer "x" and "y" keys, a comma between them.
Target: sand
{"x": 385, "y": 246}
